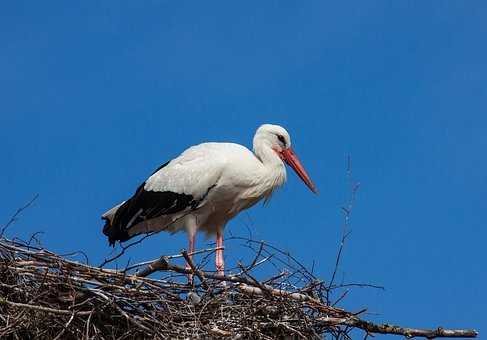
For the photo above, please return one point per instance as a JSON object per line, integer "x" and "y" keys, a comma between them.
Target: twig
{"x": 346, "y": 223}
{"x": 124, "y": 249}
{"x": 194, "y": 270}
{"x": 65, "y": 326}
{"x": 40, "y": 308}
{"x": 16, "y": 214}
{"x": 159, "y": 264}
{"x": 397, "y": 330}
{"x": 45, "y": 295}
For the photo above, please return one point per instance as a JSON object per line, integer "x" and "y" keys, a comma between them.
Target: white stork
{"x": 206, "y": 186}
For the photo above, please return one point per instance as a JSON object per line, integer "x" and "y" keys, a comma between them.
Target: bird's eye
{"x": 281, "y": 139}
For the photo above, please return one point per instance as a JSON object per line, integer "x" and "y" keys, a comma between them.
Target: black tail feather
{"x": 114, "y": 232}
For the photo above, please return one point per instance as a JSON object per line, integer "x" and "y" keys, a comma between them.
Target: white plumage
{"x": 206, "y": 186}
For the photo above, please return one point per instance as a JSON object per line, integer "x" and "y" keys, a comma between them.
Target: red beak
{"x": 292, "y": 160}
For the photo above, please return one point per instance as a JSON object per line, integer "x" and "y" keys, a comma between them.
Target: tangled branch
{"x": 45, "y": 295}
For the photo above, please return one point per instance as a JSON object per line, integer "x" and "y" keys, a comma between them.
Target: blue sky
{"x": 95, "y": 95}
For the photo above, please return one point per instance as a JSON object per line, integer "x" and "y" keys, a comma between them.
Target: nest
{"x": 45, "y": 295}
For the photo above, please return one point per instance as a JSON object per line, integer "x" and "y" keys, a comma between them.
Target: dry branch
{"x": 44, "y": 295}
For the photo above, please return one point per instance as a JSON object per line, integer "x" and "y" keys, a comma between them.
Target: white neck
{"x": 274, "y": 174}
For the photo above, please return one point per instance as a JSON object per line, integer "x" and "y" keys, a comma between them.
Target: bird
{"x": 205, "y": 187}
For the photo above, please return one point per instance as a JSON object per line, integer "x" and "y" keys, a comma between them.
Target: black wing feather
{"x": 144, "y": 205}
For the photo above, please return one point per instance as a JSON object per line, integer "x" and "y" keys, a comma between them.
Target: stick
{"x": 159, "y": 264}
{"x": 195, "y": 271}
{"x": 397, "y": 330}
{"x": 41, "y": 308}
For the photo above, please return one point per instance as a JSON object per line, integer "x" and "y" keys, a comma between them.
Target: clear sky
{"x": 94, "y": 95}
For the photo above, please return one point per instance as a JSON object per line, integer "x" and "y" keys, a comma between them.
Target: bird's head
{"x": 277, "y": 138}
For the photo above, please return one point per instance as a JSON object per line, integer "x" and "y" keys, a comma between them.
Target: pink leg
{"x": 220, "y": 264}
{"x": 191, "y": 242}
{"x": 191, "y": 239}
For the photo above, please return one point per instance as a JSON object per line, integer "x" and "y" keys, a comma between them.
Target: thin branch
{"x": 15, "y": 216}
{"x": 397, "y": 330}
{"x": 40, "y": 308}
{"x": 43, "y": 294}
{"x": 347, "y": 210}
{"x": 194, "y": 270}
{"x": 124, "y": 249}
